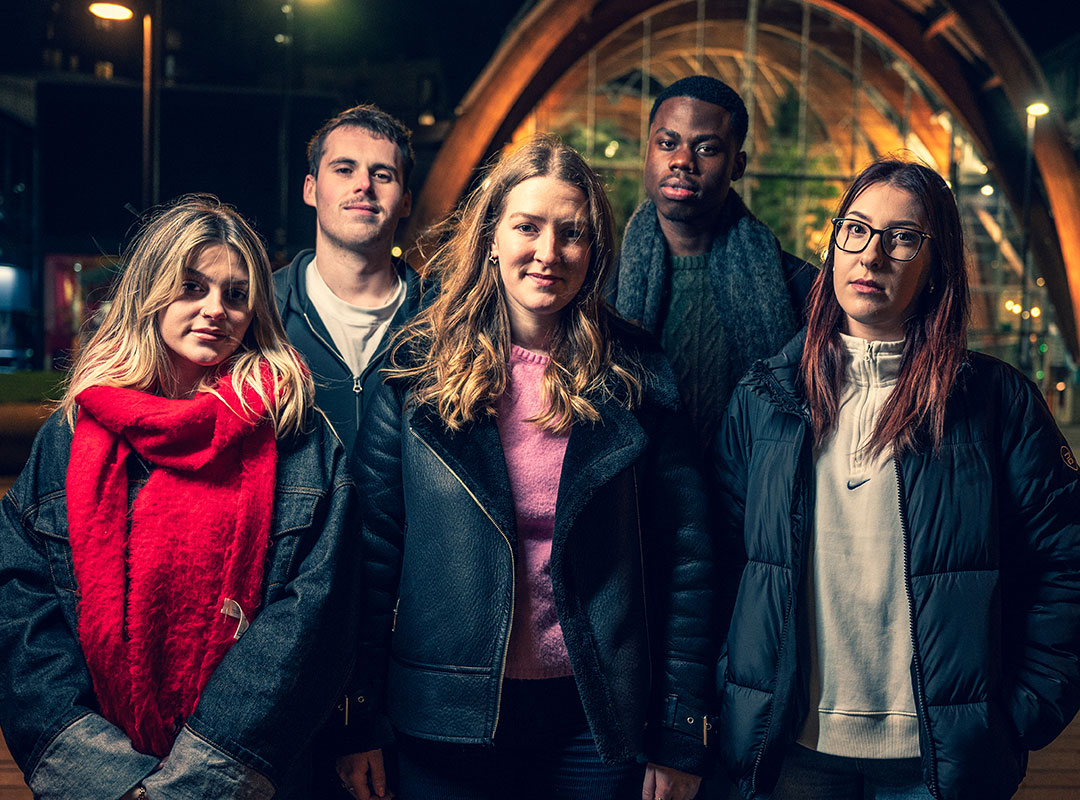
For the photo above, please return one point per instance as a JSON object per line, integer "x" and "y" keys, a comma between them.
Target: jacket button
{"x": 359, "y": 698}
{"x": 689, "y": 720}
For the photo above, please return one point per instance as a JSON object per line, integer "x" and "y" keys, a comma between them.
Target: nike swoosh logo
{"x": 856, "y": 483}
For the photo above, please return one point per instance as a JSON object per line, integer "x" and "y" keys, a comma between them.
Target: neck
{"x": 689, "y": 238}
{"x": 361, "y": 279}
{"x": 533, "y": 336}
{"x": 180, "y": 383}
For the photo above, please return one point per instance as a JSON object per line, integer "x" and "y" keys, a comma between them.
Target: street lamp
{"x": 151, "y": 112}
{"x": 113, "y": 11}
{"x": 1023, "y": 355}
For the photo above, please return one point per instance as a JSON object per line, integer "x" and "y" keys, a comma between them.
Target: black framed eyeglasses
{"x": 901, "y": 244}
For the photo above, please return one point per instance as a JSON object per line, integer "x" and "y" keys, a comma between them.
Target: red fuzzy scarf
{"x": 153, "y": 578}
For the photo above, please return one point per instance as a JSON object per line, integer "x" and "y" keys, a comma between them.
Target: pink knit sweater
{"x": 534, "y": 460}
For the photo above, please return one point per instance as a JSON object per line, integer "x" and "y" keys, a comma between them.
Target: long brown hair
{"x": 455, "y": 352}
{"x": 936, "y": 334}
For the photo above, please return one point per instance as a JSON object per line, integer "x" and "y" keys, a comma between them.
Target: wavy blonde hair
{"x": 455, "y": 352}
{"x": 127, "y": 350}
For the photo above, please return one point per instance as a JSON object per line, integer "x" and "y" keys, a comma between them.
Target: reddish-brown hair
{"x": 936, "y": 334}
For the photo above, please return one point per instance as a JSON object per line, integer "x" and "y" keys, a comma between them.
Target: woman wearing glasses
{"x": 908, "y": 619}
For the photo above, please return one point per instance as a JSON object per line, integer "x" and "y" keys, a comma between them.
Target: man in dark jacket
{"x": 340, "y": 301}
{"x": 697, "y": 269}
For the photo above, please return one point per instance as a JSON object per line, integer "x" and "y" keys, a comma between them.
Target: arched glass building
{"x": 830, "y": 85}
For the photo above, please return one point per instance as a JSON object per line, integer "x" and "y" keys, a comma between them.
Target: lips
{"x": 866, "y": 286}
{"x": 678, "y": 189}
{"x": 210, "y": 334}
{"x": 543, "y": 278}
{"x": 365, "y": 208}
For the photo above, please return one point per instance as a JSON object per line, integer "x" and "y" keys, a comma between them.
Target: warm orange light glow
{"x": 111, "y": 11}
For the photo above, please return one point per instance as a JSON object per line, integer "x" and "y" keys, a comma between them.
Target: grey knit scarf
{"x": 746, "y": 273}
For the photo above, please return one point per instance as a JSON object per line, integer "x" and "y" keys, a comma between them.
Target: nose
{"x": 682, "y": 159}
{"x": 213, "y": 307}
{"x": 362, "y": 182}
{"x": 873, "y": 254}
{"x": 547, "y": 248}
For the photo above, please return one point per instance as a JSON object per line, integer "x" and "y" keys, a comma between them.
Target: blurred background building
{"x": 100, "y": 119}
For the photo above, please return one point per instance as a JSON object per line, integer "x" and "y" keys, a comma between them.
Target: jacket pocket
{"x": 294, "y": 515}
{"x": 49, "y": 521}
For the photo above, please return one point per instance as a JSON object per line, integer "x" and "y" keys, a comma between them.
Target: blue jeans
{"x": 543, "y": 750}
{"x": 809, "y": 775}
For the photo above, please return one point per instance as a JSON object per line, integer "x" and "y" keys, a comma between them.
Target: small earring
{"x": 494, "y": 259}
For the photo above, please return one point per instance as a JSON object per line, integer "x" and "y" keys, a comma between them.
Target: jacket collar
{"x": 595, "y": 453}
{"x": 777, "y": 377}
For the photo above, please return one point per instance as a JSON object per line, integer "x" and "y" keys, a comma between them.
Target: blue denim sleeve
{"x": 90, "y": 759}
{"x": 196, "y": 769}
{"x": 47, "y": 706}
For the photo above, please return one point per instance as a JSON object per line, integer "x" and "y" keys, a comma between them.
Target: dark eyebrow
{"x": 342, "y": 161}
{"x": 701, "y": 137}
{"x": 540, "y": 218}
{"x": 191, "y": 272}
{"x": 898, "y": 223}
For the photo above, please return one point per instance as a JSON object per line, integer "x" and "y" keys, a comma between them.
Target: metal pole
{"x": 1023, "y": 350}
{"x": 285, "y": 189}
{"x": 747, "y": 89}
{"x": 147, "y": 112}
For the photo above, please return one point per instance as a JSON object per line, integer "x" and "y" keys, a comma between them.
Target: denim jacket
{"x": 259, "y": 711}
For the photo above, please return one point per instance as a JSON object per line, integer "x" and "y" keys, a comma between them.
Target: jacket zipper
{"x": 644, "y": 587}
{"x": 916, "y": 660}
{"x": 513, "y": 576}
{"x": 358, "y": 380}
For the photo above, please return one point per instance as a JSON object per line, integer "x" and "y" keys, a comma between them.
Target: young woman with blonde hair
{"x": 538, "y": 569}
{"x": 172, "y": 553}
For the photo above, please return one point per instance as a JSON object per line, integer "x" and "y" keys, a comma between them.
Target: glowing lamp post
{"x": 1034, "y": 111}
{"x": 150, "y": 116}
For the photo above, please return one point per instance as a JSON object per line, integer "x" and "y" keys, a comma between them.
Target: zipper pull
{"x": 357, "y": 385}
{"x": 393, "y": 624}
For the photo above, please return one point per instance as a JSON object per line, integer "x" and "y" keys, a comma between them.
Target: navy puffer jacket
{"x": 991, "y": 525}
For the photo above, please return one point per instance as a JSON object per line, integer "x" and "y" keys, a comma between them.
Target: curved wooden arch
{"x": 555, "y": 34}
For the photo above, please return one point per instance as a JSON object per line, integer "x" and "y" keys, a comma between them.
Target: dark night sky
{"x": 232, "y": 41}
{"x": 222, "y": 137}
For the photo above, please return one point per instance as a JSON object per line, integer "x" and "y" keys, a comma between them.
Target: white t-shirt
{"x": 357, "y": 331}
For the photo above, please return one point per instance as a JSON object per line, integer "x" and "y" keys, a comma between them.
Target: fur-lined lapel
{"x": 475, "y": 456}
{"x": 595, "y": 454}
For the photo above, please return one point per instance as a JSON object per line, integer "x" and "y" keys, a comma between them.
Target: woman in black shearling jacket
{"x": 563, "y": 678}
{"x": 981, "y": 546}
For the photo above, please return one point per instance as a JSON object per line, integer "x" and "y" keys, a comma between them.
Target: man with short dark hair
{"x": 697, "y": 269}
{"x": 340, "y": 301}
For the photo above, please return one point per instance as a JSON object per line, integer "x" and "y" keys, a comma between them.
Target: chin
{"x": 676, "y": 211}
